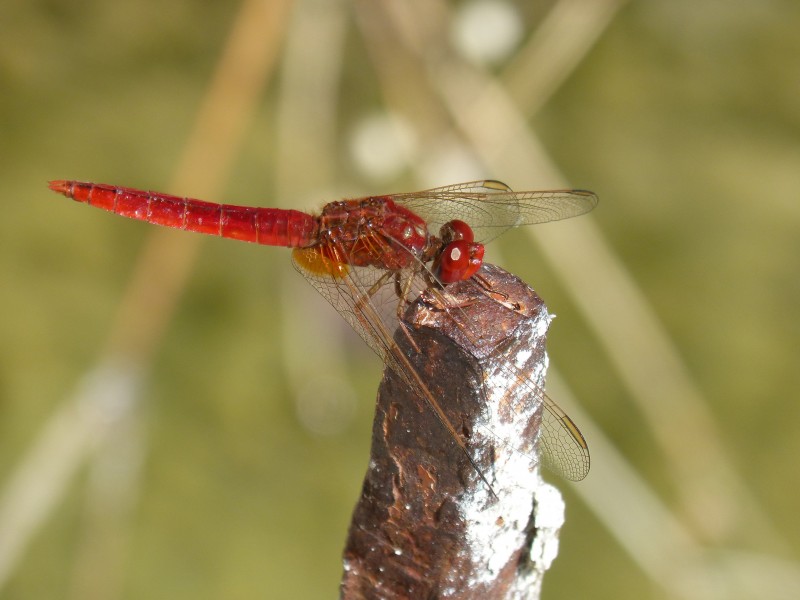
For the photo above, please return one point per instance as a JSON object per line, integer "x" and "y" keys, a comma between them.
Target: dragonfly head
{"x": 458, "y": 260}
{"x": 456, "y": 230}
{"x": 460, "y": 257}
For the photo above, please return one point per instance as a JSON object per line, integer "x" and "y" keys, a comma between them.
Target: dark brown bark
{"x": 430, "y": 524}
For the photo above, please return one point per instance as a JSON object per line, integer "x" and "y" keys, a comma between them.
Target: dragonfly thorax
{"x": 373, "y": 232}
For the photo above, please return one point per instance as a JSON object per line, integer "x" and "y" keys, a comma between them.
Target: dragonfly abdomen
{"x": 269, "y": 226}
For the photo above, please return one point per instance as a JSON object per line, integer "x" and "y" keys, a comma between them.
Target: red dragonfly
{"x": 356, "y": 250}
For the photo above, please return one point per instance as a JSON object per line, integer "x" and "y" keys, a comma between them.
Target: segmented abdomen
{"x": 269, "y": 226}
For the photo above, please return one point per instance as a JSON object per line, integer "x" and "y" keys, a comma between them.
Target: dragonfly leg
{"x": 365, "y": 298}
{"x": 442, "y": 303}
{"x": 377, "y": 285}
{"x": 402, "y": 290}
{"x": 486, "y": 288}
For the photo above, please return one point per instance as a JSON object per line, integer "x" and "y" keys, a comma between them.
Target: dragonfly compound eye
{"x": 459, "y": 260}
{"x": 456, "y": 230}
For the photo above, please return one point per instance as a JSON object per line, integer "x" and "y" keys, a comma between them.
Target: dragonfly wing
{"x": 356, "y": 293}
{"x": 491, "y": 207}
{"x": 483, "y": 186}
{"x": 550, "y": 205}
{"x": 350, "y": 290}
{"x": 463, "y": 201}
{"x": 367, "y": 299}
{"x": 562, "y": 447}
{"x": 512, "y": 209}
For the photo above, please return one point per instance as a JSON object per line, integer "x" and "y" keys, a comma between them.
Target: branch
{"x": 428, "y": 524}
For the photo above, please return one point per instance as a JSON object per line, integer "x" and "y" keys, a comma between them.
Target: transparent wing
{"x": 364, "y": 296}
{"x": 367, "y": 299}
{"x": 563, "y": 448}
{"x": 491, "y": 207}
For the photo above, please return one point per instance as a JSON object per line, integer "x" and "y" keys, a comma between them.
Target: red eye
{"x": 456, "y": 230}
{"x": 459, "y": 260}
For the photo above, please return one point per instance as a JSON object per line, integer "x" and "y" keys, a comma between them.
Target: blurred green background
{"x": 232, "y": 469}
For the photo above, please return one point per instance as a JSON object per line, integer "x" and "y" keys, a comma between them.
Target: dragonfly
{"x": 371, "y": 257}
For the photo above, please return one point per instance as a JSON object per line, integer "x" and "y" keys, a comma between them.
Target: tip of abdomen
{"x": 61, "y": 186}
